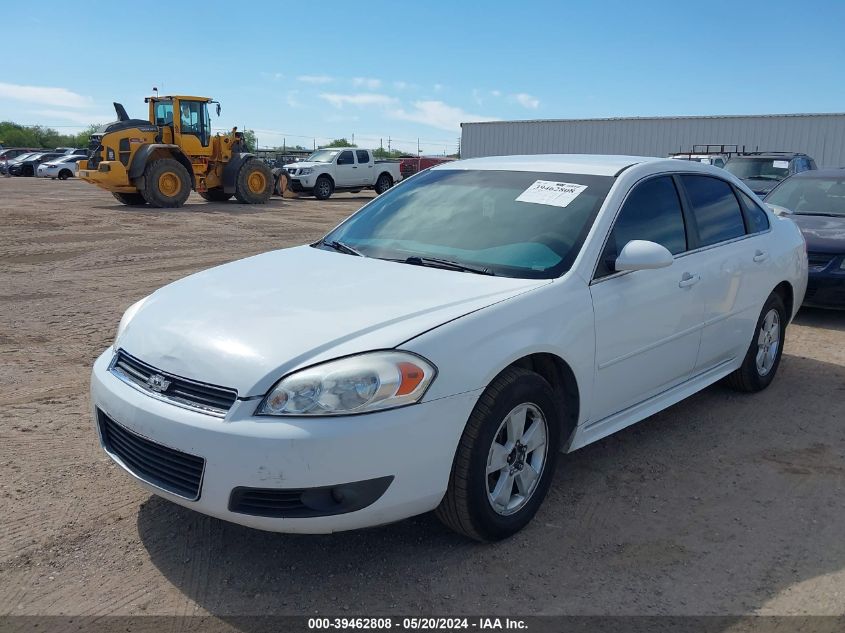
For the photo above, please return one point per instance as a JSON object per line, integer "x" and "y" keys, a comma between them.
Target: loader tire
{"x": 254, "y": 184}
{"x": 130, "y": 199}
{"x": 215, "y": 194}
{"x": 166, "y": 183}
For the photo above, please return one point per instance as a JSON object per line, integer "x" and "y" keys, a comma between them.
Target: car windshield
{"x": 811, "y": 196}
{"x": 762, "y": 168}
{"x": 23, "y": 157}
{"x": 324, "y": 155}
{"x": 508, "y": 223}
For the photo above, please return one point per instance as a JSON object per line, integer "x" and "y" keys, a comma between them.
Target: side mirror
{"x": 779, "y": 210}
{"x": 643, "y": 255}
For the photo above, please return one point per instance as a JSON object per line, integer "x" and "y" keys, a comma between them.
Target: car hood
{"x": 246, "y": 324}
{"x": 823, "y": 234}
{"x": 306, "y": 163}
{"x": 760, "y": 186}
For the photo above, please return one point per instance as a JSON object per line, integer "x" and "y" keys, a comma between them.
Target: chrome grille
{"x": 177, "y": 390}
{"x": 819, "y": 261}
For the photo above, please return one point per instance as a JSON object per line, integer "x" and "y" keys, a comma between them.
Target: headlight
{"x": 305, "y": 171}
{"x": 130, "y": 313}
{"x": 368, "y": 382}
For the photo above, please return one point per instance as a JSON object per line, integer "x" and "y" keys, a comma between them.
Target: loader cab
{"x": 185, "y": 120}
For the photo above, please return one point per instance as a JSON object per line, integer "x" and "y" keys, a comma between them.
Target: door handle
{"x": 688, "y": 280}
{"x": 761, "y": 256}
{"x": 354, "y": 166}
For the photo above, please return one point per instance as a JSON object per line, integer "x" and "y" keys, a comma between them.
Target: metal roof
{"x": 659, "y": 118}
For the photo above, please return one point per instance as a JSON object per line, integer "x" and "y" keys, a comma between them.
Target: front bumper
{"x": 414, "y": 445}
{"x": 826, "y": 290}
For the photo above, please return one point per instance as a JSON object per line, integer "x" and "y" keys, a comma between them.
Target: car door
{"x": 647, "y": 322}
{"x": 732, "y": 268}
{"x": 365, "y": 167}
{"x": 346, "y": 170}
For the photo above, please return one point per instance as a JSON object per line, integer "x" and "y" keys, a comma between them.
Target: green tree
{"x": 249, "y": 139}
{"x": 339, "y": 142}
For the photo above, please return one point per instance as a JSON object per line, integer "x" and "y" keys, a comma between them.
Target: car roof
{"x": 769, "y": 155}
{"x": 588, "y": 164}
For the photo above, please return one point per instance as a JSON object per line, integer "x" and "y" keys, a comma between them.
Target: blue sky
{"x": 414, "y": 70}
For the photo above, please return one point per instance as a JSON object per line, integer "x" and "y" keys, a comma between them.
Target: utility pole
{"x": 388, "y": 145}
{"x": 418, "y": 148}
{"x": 353, "y": 138}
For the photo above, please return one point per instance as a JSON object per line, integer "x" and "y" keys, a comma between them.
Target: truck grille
{"x": 819, "y": 261}
{"x": 161, "y": 466}
{"x": 180, "y": 391}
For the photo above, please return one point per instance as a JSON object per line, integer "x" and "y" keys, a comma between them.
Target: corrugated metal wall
{"x": 822, "y": 136}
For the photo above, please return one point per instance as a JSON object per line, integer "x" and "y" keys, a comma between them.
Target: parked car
{"x": 63, "y": 167}
{"x": 410, "y": 166}
{"x": 340, "y": 169}
{"x": 717, "y": 160}
{"x": 29, "y": 164}
{"x": 439, "y": 347}
{"x": 761, "y": 171}
{"x": 815, "y": 201}
{"x": 10, "y": 154}
{"x": 6, "y": 166}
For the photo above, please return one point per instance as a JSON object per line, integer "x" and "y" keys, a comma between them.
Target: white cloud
{"x": 360, "y": 99}
{"x": 496, "y": 93}
{"x": 45, "y": 96}
{"x": 315, "y": 79}
{"x": 438, "y": 87}
{"x": 366, "y": 82}
{"x": 526, "y": 100}
{"x": 73, "y": 116}
{"x": 438, "y": 114}
{"x": 476, "y": 96}
{"x": 400, "y": 85}
{"x": 291, "y": 99}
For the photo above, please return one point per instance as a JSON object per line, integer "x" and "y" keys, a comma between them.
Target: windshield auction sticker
{"x": 556, "y": 194}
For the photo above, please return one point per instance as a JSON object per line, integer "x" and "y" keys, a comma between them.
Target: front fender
{"x": 142, "y": 156}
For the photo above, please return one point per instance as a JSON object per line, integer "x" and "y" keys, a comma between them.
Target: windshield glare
{"x": 473, "y": 217}
{"x": 323, "y": 155}
{"x": 764, "y": 168}
{"x": 810, "y": 196}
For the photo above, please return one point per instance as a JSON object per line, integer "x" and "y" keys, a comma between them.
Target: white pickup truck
{"x": 342, "y": 169}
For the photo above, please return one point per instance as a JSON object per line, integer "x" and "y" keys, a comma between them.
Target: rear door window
{"x": 717, "y": 213}
{"x": 363, "y": 156}
{"x": 756, "y": 218}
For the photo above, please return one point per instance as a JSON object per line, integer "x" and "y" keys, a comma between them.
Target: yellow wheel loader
{"x": 159, "y": 161}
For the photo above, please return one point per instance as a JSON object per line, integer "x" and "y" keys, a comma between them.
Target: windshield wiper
{"x": 447, "y": 264}
{"x": 340, "y": 247}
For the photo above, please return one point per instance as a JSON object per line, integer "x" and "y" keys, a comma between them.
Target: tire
{"x": 215, "y": 194}
{"x": 254, "y": 184}
{"x": 762, "y": 360}
{"x": 323, "y": 188}
{"x": 383, "y": 183}
{"x": 166, "y": 183}
{"x": 281, "y": 184}
{"x": 130, "y": 199}
{"x": 65, "y": 174}
{"x": 468, "y": 506}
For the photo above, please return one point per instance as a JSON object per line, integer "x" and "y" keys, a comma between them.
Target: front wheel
{"x": 167, "y": 183}
{"x": 323, "y": 188}
{"x": 130, "y": 199}
{"x": 762, "y": 359}
{"x": 254, "y": 184}
{"x": 505, "y": 460}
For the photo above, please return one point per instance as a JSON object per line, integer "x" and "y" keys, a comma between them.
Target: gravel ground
{"x": 724, "y": 504}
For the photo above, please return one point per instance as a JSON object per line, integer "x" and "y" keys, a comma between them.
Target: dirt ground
{"x": 724, "y": 504}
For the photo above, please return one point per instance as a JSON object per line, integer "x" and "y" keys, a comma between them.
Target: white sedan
{"x": 63, "y": 167}
{"x": 440, "y": 347}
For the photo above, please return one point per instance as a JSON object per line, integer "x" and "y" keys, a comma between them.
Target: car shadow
{"x": 828, "y": 319}
{"x": 719, "y": 505}
{"x": 211, "y": 208}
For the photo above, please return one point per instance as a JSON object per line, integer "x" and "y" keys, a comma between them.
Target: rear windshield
{"x": 514, "y": 224}
{"x": 760, "y": 168}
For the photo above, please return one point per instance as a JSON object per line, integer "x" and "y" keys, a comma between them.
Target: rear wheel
{"x": 215, "y": 194}
{"x": 65, "y": 174}
{"x": 130, "y": 199}
{"x": 323, "y": 188}
{"x": 166, "y": 183}
{"x": 254, "y": 184}
{"x": 762, "y": 360}
{"x": 505, "y": 460}
{"x": 383, "y": 183}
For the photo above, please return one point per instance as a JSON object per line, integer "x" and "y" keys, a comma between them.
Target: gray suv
{"x": 761, "y": 171}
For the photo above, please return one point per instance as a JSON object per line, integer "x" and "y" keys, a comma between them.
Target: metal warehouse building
{"x": 822, "y": 136}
